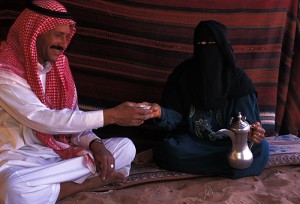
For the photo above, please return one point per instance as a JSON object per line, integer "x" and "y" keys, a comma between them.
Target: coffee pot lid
{"x": 239, "y": 125}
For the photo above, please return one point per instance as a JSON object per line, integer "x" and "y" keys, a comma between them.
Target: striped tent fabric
{"x": 124, "y": 50}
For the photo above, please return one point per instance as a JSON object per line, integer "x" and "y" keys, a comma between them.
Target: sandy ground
{"x": 275, "y": 185}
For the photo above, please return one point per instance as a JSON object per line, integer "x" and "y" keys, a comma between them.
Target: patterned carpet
{"x": 284, "y": 150}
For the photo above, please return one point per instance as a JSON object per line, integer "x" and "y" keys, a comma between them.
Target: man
{"x": 47, "y": 148}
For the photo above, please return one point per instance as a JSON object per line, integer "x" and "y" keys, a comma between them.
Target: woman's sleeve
{"x": 169, "y": 119}
{"x": 173, "y": 99}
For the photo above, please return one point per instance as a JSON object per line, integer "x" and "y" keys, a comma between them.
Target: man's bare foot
{"x": 70, "y": 188}
{"x": 115, "y": 178}
{"x": 144, "y": 157}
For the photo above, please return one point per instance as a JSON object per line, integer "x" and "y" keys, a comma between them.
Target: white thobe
{"x": 32, "y": 171}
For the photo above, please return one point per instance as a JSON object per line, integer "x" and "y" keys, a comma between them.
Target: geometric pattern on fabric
{"x": 125, "y": 50}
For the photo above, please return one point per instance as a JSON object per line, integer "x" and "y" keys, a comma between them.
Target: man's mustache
{"x": 57, "y": 47}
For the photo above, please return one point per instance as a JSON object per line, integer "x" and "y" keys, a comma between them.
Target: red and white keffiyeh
{"x": 19, "y": 56}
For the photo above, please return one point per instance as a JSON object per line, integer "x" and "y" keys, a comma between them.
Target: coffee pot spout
{"x": 229, "y": 133}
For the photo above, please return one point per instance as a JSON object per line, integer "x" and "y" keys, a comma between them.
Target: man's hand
{"x": 104, "y": 160}
{"x": 127, "y": 114}
{"x": 257, "y": 133}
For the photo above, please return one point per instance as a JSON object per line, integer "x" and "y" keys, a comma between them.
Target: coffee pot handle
{"x": 250, "y": 144}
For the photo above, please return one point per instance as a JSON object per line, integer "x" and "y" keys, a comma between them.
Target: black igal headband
{"x": 41, "y": 10}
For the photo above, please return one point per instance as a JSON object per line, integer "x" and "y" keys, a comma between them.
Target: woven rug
{"x": 284, "y": 150}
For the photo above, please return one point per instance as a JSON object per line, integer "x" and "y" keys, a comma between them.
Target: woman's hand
{"x": 257, "y": 133}
{"x": 156, "y": 110}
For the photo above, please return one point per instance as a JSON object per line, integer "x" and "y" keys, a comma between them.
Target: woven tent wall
{"x": 124, "y": 50}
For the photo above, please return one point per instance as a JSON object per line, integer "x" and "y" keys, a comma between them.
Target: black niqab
{"x": 209, "y": 78}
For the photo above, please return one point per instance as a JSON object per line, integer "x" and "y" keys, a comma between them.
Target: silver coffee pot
{"x": 240, "y": 156}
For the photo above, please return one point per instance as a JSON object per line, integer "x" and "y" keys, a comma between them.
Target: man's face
{"x": 52, "y": 43}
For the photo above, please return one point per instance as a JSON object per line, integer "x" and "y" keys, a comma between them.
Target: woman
{"x": 200, "y": 97}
